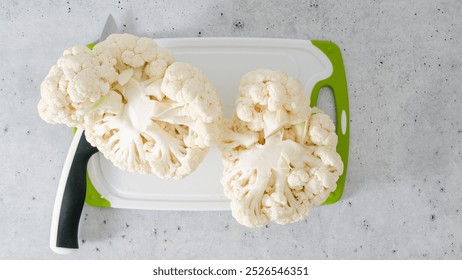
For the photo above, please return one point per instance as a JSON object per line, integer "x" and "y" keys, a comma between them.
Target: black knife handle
{"x": 70, "y": 196}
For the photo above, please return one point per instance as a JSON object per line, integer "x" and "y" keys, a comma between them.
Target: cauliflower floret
{"x": 126, "y": 51}
{"x": 143, "y": 111}
{"x": 278, "y": 176}
{"x": 322, "y": 130}
{"x": 270, "y": 100}
{"x": 76, "y": 82}
{"x": 318, "y": 130}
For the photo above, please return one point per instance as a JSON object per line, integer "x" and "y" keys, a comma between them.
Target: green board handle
{"x": 337, "y": 83}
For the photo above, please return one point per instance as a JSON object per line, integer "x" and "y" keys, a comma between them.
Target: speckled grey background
{"x": 403, "y": 198}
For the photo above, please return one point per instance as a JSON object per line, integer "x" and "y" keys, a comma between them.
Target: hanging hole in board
{"x": 326, "y": 102}
{"x": 344, "y": 122}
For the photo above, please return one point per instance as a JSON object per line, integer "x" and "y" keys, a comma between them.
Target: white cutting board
{"x": 223, "y": 61}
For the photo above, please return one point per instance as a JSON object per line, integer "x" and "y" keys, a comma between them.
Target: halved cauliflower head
{"x": 280, "y": 176}
{"x": 143, "y": 111}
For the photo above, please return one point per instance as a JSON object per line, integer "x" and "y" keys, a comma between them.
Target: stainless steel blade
{"x": 109, "y": 28}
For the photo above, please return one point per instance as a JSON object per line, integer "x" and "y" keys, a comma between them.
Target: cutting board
{"x": 224, "y": 60}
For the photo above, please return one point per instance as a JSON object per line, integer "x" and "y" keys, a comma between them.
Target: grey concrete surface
{"x": 403, "y": 197}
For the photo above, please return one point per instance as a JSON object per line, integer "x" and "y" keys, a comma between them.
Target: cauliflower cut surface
{"x": 143, "y": 111}
{"x": 276, "y": 169}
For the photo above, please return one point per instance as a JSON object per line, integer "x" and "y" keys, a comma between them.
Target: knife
{"x": 70, "y": 196}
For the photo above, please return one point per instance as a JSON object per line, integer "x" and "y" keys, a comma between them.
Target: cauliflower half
{"x": 279, "y": 154}
{"x": 141, "y": 109}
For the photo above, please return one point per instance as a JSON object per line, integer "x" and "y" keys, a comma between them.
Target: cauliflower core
{"x": 143, "y": 111}
{"x": 282, "y": 161}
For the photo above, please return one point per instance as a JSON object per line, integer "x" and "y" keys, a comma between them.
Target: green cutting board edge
{"x": 337, "y": 83}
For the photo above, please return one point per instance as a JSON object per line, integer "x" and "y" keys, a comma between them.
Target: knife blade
{"x": 110, "y": 27}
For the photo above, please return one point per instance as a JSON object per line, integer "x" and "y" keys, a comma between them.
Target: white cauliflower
{"x": 77, "y": 81}
{"x": 269, "y": 100}
{"x": 151, "y": 114}
{"x": 278, "y": 176}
